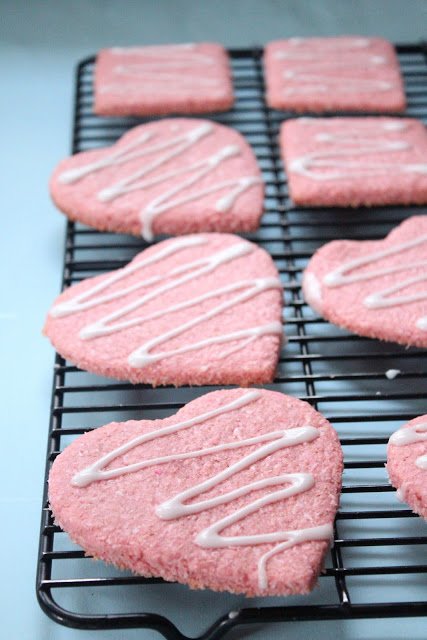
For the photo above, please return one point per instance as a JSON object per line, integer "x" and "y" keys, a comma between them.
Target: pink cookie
{"x": 157, "y": 80}
{"x": 202, "y": 309}
{"x": 376, "y": 289}
{"x": 172, "y": 176}
{"x": 407, "y": 464}
{"x": 144, "y": 495}
{"x": 333, "y": 74}
{"x": 347, "y": 162}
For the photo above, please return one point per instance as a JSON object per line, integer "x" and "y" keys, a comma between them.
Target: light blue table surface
{"x": 40, "y": 44}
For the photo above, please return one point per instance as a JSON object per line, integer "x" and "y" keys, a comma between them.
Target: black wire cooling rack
{"x": 378, "y": 564}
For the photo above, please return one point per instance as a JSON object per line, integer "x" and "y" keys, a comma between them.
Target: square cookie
{"x": 157, "y": 80}
{"x": 333, "y": 74}
{"x": 349, "y": 162}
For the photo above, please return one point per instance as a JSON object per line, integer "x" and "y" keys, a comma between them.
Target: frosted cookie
{"x": 333, "y": 74}
{"x": 173, "y": 176}
{"x": 377, "y": 289}
{"x": 236, "y": 492}
{"x": 348, "y": 162}
{"x": 202, "y": 309}
{"x": 157, "y": 80}
{"x": 407, "y": 464}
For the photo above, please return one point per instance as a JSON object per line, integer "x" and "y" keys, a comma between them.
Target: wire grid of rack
{"x": 378, "y": 563}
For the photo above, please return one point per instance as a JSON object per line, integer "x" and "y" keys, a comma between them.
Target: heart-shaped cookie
{"x": 237, "y": 491}
{"x": 407, "y": 464}
{"x": 202, "y": 309}
{"x": 172, "y": 176}
{"x": 374, "y": 288}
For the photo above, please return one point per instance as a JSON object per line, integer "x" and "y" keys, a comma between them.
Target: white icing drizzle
{"x": 401, "y": 492}
{"x": 158, "y": 49}
{"x": 327, "y": 44}
{"x": 88, "y": 298}
{"x": 151, "y": 75}
{"x": 410, "y": 435}
{"x": 141, "y": 357}
{"x": 168, "y": 68}
{"x": 111, "y": 323}
{"x": 313, "y": 292}
{"x": 381, "y": 299}
{"x": 390, "y": 125}
{"x": 317, "y": 61}
{"x": 116, "y": 157}
{"x": 391, "y": 374}
{"x": 421, "y": 462}
{"x": 175, "y": 54}
{"x": 331, "y": 164}
{"x": 175, "y": 507}
{"x": 124, "y": 87}
{"x": 169, "y": 149}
